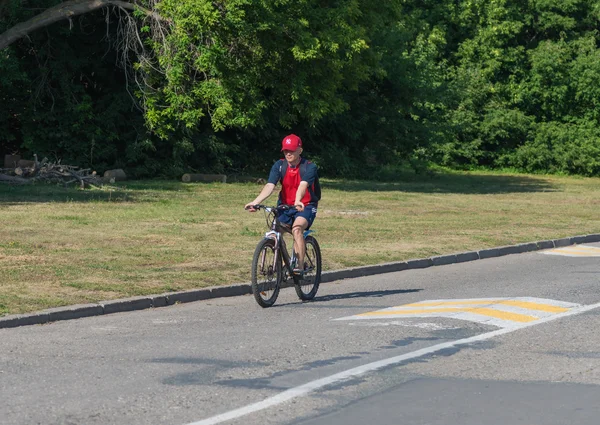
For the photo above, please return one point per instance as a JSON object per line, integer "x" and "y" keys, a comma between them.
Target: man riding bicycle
{"x": 299, "y": 187}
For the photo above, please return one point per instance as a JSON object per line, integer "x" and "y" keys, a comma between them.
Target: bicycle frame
{"x": 281, "y": 248}
{"x": 281, "y": 251}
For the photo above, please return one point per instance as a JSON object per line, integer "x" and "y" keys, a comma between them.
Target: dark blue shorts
{"x": 288, "y": 217}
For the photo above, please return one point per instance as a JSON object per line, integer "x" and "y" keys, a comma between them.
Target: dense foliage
{"x": 528, "y": 73}
{"x": 63, "y": 96}
{"x": 214, "y": 85}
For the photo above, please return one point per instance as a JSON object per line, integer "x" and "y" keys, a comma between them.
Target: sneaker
{"x": 307, "y": 269}
{"x": 300, "y": 272}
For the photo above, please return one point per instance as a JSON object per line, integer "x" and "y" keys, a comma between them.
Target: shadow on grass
{"x": 51, "y": 193}
{"x": 449, "y": 183}
{"x": 141, "y": 191}
{"x": 131, "y": 191}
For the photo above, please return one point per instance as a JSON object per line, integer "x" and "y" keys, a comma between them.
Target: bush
{"x": 572, "y": 148}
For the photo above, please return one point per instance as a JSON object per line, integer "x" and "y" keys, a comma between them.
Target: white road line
{"x": 406, "y": 324}
{"x": 369, "y": 367}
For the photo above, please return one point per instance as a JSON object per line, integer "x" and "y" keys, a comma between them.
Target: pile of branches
{"x": 50, "y": 172}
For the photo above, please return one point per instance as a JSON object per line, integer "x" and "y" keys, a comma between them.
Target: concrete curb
{"x": 162, "y": 300}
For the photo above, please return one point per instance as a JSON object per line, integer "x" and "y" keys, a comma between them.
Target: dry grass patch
{"x": 64, "y": 246}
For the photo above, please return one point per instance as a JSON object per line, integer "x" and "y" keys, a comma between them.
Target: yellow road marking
{"x": 505, "y": 315}
{"x": 440, "y": 303}
{"x": 515, "y": 303}
{"x": 535, "y": 306}
{"x": 418, "y": 311}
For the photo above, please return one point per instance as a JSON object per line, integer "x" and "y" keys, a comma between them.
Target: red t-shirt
{"x": 291, "y": 181}
{"x": 289, "y": 187}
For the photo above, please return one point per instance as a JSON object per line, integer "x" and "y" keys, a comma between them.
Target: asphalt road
{"x": 229, "y": 361}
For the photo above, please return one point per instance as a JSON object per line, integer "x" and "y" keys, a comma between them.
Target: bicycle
{"x": 272, "y": 265}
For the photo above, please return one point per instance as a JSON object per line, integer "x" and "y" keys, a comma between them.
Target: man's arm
{"x": 266, "y": 191}
{"x": 300, "y": 194}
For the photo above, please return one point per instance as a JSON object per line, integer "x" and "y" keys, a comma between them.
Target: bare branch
{"x": 66, "y": 10}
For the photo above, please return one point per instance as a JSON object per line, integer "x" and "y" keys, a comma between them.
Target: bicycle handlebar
{"x": 282, "y": 207}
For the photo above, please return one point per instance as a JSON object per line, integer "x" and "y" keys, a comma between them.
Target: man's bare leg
{"x": 300, "y": 225}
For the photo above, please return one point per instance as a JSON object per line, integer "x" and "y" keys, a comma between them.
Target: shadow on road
{"x": 365, "y": 294}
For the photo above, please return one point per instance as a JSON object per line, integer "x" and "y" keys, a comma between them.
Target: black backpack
{"x": 315, "y": 191}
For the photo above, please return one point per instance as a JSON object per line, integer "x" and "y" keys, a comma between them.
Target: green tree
{"x": 218, "y": 81}
{"x": 525, "y": 71}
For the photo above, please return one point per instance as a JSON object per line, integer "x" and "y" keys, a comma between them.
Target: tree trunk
{"x": 64, "y": 10}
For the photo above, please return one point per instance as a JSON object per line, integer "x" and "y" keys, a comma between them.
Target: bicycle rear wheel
{"x": 307, "y": 287}
{"x": 266, "y": 273}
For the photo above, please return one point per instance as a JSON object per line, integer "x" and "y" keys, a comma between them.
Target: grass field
{"x": 65, "y": 246}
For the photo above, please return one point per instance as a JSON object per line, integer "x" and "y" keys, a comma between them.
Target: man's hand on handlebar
{"x": 250, "y": 207}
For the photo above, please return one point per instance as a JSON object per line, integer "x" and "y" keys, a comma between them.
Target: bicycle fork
{"x": 276, "y": 237}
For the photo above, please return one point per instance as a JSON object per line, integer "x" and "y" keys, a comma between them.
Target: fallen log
{"x": 25, "y": 163}
{"x": 115, "y": 175}
{"x": 11, "y": 161}
{"x": 245, "y": 179}
{"x": 206, "y": 178}
{"x": 13, "y": 179}
{"x": 48, "y": 172}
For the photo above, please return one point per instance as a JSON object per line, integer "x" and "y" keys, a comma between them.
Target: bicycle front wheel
{"x": 266, "y": 273}
{"x": 307, "y": 287}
